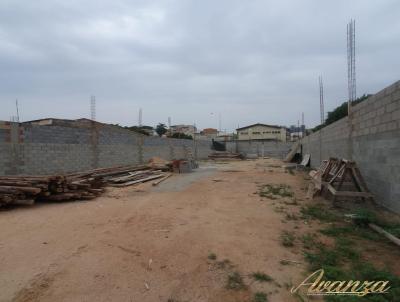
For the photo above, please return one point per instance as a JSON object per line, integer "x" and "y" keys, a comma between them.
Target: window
{"x": 256, "y": 132}
{"x": 243, "y": 133}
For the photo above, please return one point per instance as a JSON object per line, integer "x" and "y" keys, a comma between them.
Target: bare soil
{"x": 144, "y": 243}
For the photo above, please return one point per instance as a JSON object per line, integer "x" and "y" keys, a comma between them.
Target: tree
{"x": 146, "y": 130}
{"x": 340, "y": 112}
{"x": 161, "y": 129}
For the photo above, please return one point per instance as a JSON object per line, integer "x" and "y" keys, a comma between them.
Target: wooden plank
{"x": 389, "y": 236}
{"x": 137, "y": 181}
{"x": 162, "y": 179}
{"x": 348, "y": 193}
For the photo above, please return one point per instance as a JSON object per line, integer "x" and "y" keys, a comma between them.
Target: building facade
{"x": 262, "y": 132}
{"x": 185, "y": 129}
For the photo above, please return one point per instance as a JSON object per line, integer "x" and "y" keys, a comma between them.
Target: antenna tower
{"x": 351, "y": 62}
{"x": 321, "y": 100}
{"x": 93, "y": 108}
{"x": 140, "y": 117}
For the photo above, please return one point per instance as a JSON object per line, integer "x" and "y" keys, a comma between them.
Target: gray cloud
{"x": 253, "y": 61}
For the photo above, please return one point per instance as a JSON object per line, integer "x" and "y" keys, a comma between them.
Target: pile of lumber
{"x": 27, "y": 189}
{"x": 76, "y": 186}
{"x": 225, "y": 155}
{"x": 133, "y": 176}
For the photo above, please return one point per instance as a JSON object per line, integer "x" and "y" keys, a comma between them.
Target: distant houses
{"x": 262, "y": 132}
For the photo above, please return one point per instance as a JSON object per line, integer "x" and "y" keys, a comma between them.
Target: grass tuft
{"x": 287, "y": 239}
{"x": 212, "y": 256}
{"x": 261, "y": 277}
{"x": 273, "y": 191}
{"x": 260, "y": 297}
{"x": 235, "y": 281}
{"x": 317, "y": 212}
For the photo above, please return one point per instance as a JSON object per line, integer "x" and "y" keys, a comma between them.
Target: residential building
{"x": 209, "y": 132}
{"x": 262, "y": 132}
{"x": 185, "y": 129}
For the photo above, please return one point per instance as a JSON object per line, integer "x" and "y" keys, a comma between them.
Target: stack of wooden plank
{"x": 74, "y": 186}
{"x": 27, "y": 189}
{"x": 225, "y": 155}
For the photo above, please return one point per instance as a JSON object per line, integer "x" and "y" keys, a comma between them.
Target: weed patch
{"x": 261, "y": 277}
{"x": 235, "y": 281}
{"x": 318, "y": 212}
{"x": 287, "y": 239}
{"x": 260, "y": 297}
{"x": 212, "y": 256}
{"x": 273, "y": 191}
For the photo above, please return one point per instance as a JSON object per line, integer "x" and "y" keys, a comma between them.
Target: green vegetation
{"x": 212, "y": 256}
{"x": 284, "y": 262}
{"x": 235, "y": 281}
{"x": 261, "y": 277}
{"x": 317, "y": 212}
{"x": 340, "y": 112}
{"x": 309, "y": 241}
{"x": 273, "y": 191}
{"x": 161, "y": 129}
{"x": 260, "y": 297}
{"x": 343, "y": 260}
{"x": 146, "y": 130}
{"x": 287, "y": 239}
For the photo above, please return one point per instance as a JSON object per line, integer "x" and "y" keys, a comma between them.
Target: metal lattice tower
{"x": 140, "y": 117}
{"x": 321, "y": 100}
{"x": 93, "y": 108}
{"x": 351, "y": 62}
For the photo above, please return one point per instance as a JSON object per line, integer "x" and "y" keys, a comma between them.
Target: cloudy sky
{"x": 251, "y": 61}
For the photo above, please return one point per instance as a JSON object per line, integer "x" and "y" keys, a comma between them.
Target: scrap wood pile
{"x": 341, "y": 178}
{"x": 225, "y": 155}
{"x": 27, "y": 189}
{"x": 75, "y": 186}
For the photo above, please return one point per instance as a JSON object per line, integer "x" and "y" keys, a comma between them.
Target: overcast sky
{"x": 251, "y": 61}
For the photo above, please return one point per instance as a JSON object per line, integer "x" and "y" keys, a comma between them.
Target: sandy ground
{"x": 144, "y": 243}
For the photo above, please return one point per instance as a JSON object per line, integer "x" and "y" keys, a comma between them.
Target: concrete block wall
{"x": 261, "y": 148}
{"x": 371, "y": 138}
{"x": 34, "y": 149}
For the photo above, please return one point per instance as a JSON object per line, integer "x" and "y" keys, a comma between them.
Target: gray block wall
{"x": 260, "y": 147}
{"x": 34, "y": 149}
{"x": 371, "y": 138}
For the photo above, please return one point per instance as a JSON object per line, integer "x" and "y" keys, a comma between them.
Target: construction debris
{"x": 27, "y": 189}
{"x": 76, "y": 186}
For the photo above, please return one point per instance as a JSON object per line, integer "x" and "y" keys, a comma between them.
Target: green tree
{"x": 340, "y": 112}
{"x": 161, "y": 129}
{"x": 146, "y": 130}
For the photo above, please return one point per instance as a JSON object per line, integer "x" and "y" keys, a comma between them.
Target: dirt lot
{"x": 145, "y": 243}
